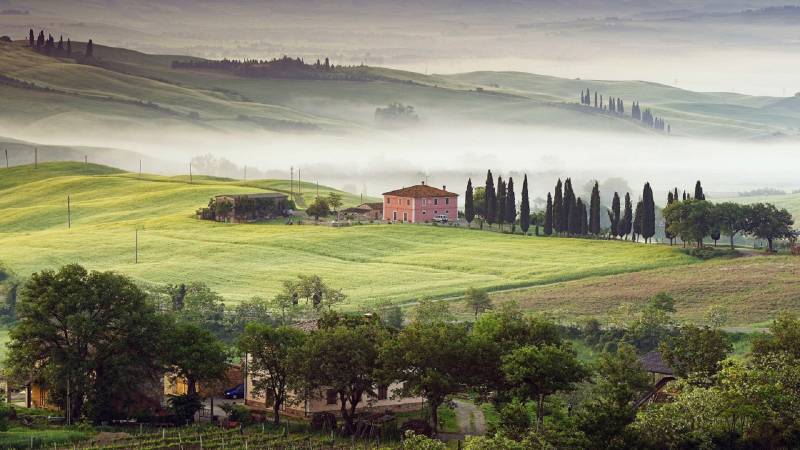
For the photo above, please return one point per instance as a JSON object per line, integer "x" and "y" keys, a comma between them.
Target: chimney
{"x": 444, "y": 187}
{"x": 423, "y": 182}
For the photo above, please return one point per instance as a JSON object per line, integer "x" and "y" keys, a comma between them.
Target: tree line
{"x": 92, "y": 337}
{"x": 687, "y": 216}
{"x": 617, "y": 106}
{"x": 48, "y": 45}
{"x": 283, "y": 67}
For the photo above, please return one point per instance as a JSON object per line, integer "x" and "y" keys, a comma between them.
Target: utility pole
{"x": 140, "y": 168}
{"x": 69, "y": 214}
{"x": 190, "y": 173}
{"x": 291, "y": 182}
{"x": 6, "y": 158}
{"x": 299, "y": 187}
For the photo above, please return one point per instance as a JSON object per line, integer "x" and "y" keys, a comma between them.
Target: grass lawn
{"x": 370, "y": 262}
{"x": 22, "y": 438}
{"x": 752, "y": 289}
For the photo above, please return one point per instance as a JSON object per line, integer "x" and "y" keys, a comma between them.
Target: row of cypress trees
{"x": 49, "y": 46}
{"x": 616, "y": 105}
{"x": 567, "y": 214}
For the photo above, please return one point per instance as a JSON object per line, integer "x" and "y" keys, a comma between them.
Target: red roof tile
{"x": 420, "y": 191}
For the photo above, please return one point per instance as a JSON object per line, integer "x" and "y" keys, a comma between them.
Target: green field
{"x": 789, "y": 201}
{"x": 131, "y": 89}
{"x": 369, "y": 262}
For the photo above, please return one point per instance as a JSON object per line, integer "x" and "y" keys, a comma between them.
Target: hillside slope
{"x": 124, "y": 88}
{"x": 370, "y": 263}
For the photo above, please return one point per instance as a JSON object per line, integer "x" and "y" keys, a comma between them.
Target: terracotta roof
{"x": 654, "y": 363}
{"x": 421, "y": 190}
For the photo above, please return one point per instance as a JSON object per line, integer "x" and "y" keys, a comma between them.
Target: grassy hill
{"x": 370, "y": 263}
{"x": 127, "y": 88}
{"x": 753, "y": 290}
{"x": 789, "y": 201}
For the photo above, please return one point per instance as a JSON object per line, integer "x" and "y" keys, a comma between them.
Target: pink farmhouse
{"x": 419, "y": 204}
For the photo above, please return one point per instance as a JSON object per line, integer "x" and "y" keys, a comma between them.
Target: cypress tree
{"x": 575, "y": 218}
{"x": 637, "y": 220}
{"x": 614, "y": 216}
{"x": 595, "y": 99}
{"x": 489, "y": 202}
{"x": 469, "y": 207}
{"x": 594, "y": 210}
{"x": 525, "y": 208}
{"x": 69, "y": 47}
{"x": 648, "y": 213}
{"x": 89, "y": 49}
{"x": 511, "y": 205}
{"x": 500, "y": 198}
{"x": 558, "y": 204}
{"x": 698, "y": 191}
{"x": 627, "y": 219}
{"x": 31, "y": 39}
{"x": 548, "y": 216}
{"x": 670, "y": 200}
{"x": 584, "y": 220}
{"x": 566, "y": 207}
{"x": 60, "y": 44}
{"x": 40, "y": 40}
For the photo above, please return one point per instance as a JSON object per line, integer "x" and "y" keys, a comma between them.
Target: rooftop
{"x": 421, "y": 190}
{"x": 654, "y": 363}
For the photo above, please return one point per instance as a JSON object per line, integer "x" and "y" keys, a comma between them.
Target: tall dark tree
{"x": 614, "y": 217}
{"x": 60, "y": 47}
{"x": 575, "y": 217}
{"x": 583, "y": 218}
{"x": 670, "y": 200}
{"x": 558, "y": 204}
{"x": 69, "y": 47}
{"x": 489, "y": 201}
{"x": 638, "y": 219}
{"x": 594, "y": 210}
{"x": 698, "y": 191}
{"x": 500, "y": 197}
{"x": 89, "y": 49}
{"x": 40, "y": 40}
{"x": 566, "y": 209}
{"x": 469, "y": 208}
{"x": 31, "y": 38}
{"x": 511, "y": 205}
{"x": 649, "y": 213}
{"x": 627, "y": 219}
{"x": 525, "y": 208}
{"x": 548, "y": 216}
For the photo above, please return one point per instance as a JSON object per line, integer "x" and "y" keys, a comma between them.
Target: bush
{"x": 6, "y": 412}
{"x": 419, "y": 442}
{"x": 185, "y": 406}
{"x": 237, "y": 413}
{"x": 706, "y": 253}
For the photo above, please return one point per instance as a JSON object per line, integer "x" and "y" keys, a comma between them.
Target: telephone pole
{"x": 291, "y": 181}
{"x": 190, "y": 173}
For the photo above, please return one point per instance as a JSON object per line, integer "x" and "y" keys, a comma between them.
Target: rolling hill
{"x": 128, "y": 89}
{"x": 370, "y": 262}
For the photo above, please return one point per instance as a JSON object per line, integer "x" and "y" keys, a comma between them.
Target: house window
{"x": 330, "y": 397}
{"x": 447, "y": 201}
{"x": 394, "y": 215}
{"x": 388, "y": 200}
{"x": 408, "y": 201}
{"x": 436, "y": 201}
{"x": 405, "y": 217}
{"x": 423, "y": 212}
{"x": 383, "y": 392}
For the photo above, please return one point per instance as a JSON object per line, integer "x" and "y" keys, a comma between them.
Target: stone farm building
{"x": 419, "y": 204}
{"x": 327, "y": 401}
{"x": 365, "y": 211}
{"x": 239, "y": 208}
